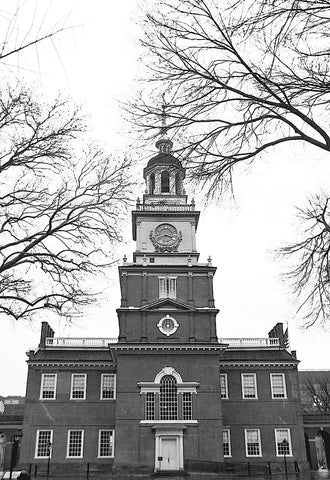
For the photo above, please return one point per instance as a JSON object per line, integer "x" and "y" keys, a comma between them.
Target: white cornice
{"x": 77, "y": 364}
{"x": 168, "y": 423}
{"x": 164, "y": 347}
{"x": 257, "y": 364}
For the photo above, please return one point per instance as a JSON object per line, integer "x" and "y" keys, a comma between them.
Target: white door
{"x": 169, "y": 454}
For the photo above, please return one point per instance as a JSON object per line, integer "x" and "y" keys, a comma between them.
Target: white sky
{"x": 97, "y": 64}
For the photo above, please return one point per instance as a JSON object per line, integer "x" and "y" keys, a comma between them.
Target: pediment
{"x": 167, "y": 304}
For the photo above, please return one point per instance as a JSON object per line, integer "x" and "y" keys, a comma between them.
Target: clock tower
{"x": 164, "y": 224}
{"x": 168, "y": 353}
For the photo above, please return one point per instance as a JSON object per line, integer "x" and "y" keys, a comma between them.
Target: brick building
{"x": 315, "y": 400}
{"x": 168, "y": 395}
{"x": 11, "y": 423}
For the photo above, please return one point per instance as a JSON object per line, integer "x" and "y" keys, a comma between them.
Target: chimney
{"x": 46, "y": 331}
{"x": 277, "y": 332}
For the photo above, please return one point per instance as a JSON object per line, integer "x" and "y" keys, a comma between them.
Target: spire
{"x": 164, "y": 144}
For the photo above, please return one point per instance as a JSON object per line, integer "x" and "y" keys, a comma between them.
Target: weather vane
{"x": 163, "y": 127}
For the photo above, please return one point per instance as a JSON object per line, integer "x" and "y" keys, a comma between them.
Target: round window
{"x": 168, "y": 325}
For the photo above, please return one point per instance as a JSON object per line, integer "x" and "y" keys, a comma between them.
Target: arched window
{"x": 177, "y": 184}
{"x": 165, "y": 182}
{"x": 168, "y": 401}
{"x": 152, "y": 184}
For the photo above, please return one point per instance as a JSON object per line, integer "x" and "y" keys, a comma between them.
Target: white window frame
{"x": 166, "y": 292}
{"x": 289, "y": 440}
{"x": 113, "y": 443}
{"x": 43, "y": 375}
{"x": 254, "y": 375}
{"x": 37, "y": 442}
{"x": 272, "y": 375}
{"x": 187, "y": 406}
{"x": 114, "y": 386}
{"x": 224, "y": 375}
{"x": 246, "y": 430}
{"x": 85, "y": 386}
{"x": 82, "y": 443}
{"x": 149, "y": 406}
{"x": 229, "y": 441}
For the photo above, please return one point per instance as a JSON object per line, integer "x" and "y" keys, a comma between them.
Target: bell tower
{"x": 164, "y": 223}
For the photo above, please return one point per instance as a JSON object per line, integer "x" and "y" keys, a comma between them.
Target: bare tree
{"x": 315, "y": 390}
{"x": 24, "y": 28}
{"x": 309, "y": 261}
{"x": 60, "y": 207}
{"x": 240, "y": 78}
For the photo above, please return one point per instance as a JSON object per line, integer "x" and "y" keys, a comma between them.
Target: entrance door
{"x": 169, "y": 454}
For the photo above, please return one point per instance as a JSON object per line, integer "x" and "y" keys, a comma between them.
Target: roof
{"x": 163, "y": 159}
{"x": 260, "y": 355}
{"x": 74, "y": 354}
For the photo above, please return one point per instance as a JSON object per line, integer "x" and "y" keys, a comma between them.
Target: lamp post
{"x": 15, "y": 438}
{"x": 285, "y": 447}
{"x": 49, "y": 451}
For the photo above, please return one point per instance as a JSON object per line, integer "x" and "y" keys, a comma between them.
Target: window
{"x": 168, "y": 398}
{"x": 167, "y": 287}
{"x": 106, "y": 443}
{"x": 177, "y": 184}
{"x": 152, "y": 184}
{"x": 150, "y": 406}
{"x": 78, "y": 386}
{"x": 165, "y": 182}
{"x": 226, "y": 442}
{"x": 283, "y": 442}
{"x": 44, "y": 443}
{"x": 277, "y": 382}
{"x": 75, "y": 443}
{"x": 187, "y": 406}
{"x": 252, "y": 443}
{"x": 249, "y": 385}
{"x": 223, "y": 385}
{"x": 48, "y": 386}
{"x": 108, "y": 386}
{"x": 168, "y": 402}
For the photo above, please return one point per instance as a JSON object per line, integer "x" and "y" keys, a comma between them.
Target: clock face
{"x": 165, "y": 238}
{"x": 166, "y": 235}
{"x": 168, "y": 325}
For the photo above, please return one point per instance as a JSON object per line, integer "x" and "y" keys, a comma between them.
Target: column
{"x": 124, "y": 289}
{"x": 144, "y": 288}
{"x": 192, "y": 337}
{"x": 211, "y": 297}
{"x": 190, "y": 289}
{"x": 122, "y": 327}
{"x": 144, "y": 335}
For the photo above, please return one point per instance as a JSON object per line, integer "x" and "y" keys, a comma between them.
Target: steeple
{"x": 164, "y": 173}
{"x": 164, "y": 144}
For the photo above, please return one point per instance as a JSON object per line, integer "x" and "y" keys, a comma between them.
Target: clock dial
{"x": 166, "y": 234}
{"x": 168, "y": 325}
{"x": 165, "y": 238}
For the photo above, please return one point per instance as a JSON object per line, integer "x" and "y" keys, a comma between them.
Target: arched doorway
{"x": 322, "y": 443}
{"x": 3, "y": 442}
{"x": 308, "y": 450}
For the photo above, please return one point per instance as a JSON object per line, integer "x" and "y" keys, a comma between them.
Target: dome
{"x": 163, "y": 159}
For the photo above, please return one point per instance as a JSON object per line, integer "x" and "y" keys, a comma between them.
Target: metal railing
{"x": 159, "y": 207}
{"x": 79, "y": 342}
{"x": 104, "y": 342}
{"x": 251, "y": 342}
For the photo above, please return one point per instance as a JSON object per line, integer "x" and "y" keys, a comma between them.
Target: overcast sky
{"x": 97, "y": 63}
